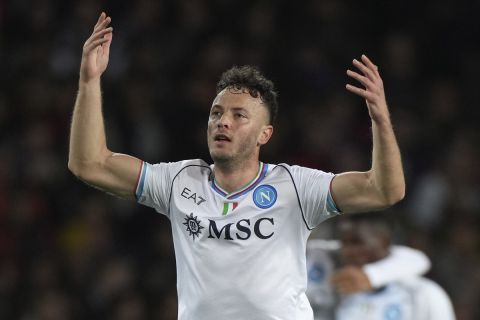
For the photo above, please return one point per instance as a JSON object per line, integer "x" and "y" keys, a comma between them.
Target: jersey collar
{"x": 262, "y": 171}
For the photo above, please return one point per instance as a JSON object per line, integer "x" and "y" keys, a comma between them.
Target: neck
{"x": 231, "y": 177}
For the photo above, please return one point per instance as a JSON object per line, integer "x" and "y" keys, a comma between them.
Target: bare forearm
{"x": 387, "y": 171}
{"x": 87, "y": 133}
{"x": 384, "y": 184}
{"x": 89, "y": 157}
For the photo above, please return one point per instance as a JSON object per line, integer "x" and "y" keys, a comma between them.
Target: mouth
{"x": 221, "y": 138}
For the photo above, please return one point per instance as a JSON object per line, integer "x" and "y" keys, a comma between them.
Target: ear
{"x": 265, "y": 135}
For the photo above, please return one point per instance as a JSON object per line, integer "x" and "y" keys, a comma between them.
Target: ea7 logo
{"x": 188, "y": 194}
{"x": 262, "y": 229}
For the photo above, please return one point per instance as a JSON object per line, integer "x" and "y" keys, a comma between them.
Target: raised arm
{"x": 384, "y": 184}
{"x": 89, "y": 158}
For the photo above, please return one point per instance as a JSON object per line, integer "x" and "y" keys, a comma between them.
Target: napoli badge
{"x": 393, "y": 312}
{"x": 265, "y": 196}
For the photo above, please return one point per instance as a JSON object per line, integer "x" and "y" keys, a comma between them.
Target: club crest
{"x": 265, "y": 196}
{"x": 393, "y": 312}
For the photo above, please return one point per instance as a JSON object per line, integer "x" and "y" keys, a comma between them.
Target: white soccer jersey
{"x": 413, "y": 299}
{"x": 402, "y": 263}
{"x": 239, "y": 255}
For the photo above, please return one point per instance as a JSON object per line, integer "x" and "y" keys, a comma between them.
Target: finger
{"x": 361, "y": 92}
{"x": 101, "y": 32}
{"x": 366, "y": 71}
{"x": 94, "y": 44}
{"x": 106, "y": 45}
{"x": 339, "y": 277}
{"x": 363, "y": 80}
{"x": 340, "y": 284}
{"x": 369, "y": 63}
{"x": 344, "y": 289}
{"x": 98, "y": 35}
{"x": 335, "y": 278}
{"x": 103, "y": 24}
{"x": 339, "y": 280}
{"x": 100, "y": 19}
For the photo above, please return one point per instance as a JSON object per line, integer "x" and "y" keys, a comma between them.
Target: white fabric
{"x": 414, "y": 299}
{"x": 402, "y": 263}
{"x": 249, "y": 264}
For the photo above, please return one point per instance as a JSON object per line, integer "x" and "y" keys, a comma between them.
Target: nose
{"x": 224, "y": 121}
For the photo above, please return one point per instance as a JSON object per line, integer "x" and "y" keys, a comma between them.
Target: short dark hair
{"x": 254, "y": 82}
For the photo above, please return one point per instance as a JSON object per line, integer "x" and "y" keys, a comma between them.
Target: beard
{"x": 224, "y": 157}
{"x": 220, "y": 157}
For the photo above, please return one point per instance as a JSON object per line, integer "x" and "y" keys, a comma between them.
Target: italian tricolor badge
{"x": 229, "y": 207}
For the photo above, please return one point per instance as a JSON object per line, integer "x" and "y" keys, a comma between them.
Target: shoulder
{"x": 296, "y": 171}
{"x": 425, "y": 288}
{"x": 430, "y": 287}
{"x": 193, "y": 163}
{"x": 179, "y": 165}
{"x": 188, "y": 163}
{"x": 432, "y": 298}
{"x": 168, "y": 171}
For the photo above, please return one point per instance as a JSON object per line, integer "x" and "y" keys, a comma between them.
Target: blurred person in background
{"x": 366, "y": 239}
{"x": 322, "y": 263}
{"x": 235, "y": 222}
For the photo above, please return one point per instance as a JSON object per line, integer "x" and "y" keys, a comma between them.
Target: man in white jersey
{"x": 322, "y": 258}
{"x": 239, "y": 226}
{"x": 366, "y": 241}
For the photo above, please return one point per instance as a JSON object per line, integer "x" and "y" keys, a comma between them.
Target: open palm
{"x": 373, "y": 93}
{"x": 96, "y": 50}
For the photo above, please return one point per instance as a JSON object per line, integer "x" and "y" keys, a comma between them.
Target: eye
{"x": 215, "y": 114}
{"x": 240, "y": 115}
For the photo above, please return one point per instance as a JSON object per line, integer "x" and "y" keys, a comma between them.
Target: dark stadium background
{"x": 70, "y": 252}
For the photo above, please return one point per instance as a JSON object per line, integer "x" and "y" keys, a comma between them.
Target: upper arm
{"x": 355, "y": 192}
{"x": 116, "y": 174}
{"x": 313, "y": 191}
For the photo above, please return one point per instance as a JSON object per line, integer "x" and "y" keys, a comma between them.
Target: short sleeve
{"x": 313, "y": 188}
{"x": 155, "y": 183}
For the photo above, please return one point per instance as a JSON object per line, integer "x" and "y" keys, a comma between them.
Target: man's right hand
{"x": 96, "y": 50}
{"x": 350, "y": 279}
{"x": 89, "y": 157}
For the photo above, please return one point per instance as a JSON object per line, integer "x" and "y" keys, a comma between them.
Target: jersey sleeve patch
{"x": 141, "y": 181}
{"x": 331, "y": 204}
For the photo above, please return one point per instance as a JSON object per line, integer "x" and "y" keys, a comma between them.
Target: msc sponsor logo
{"x": 194, "y": 228}
{"x": 265, "y": 196}
{"x": 245, "y": 229}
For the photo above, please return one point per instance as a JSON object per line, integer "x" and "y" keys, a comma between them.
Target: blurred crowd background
{"x": 70, "y": 252}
